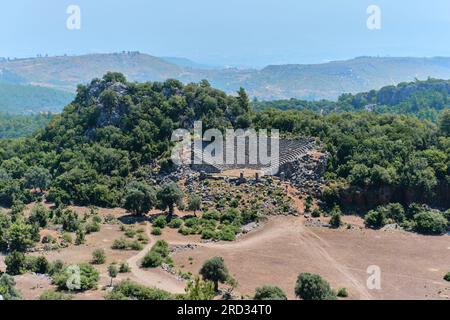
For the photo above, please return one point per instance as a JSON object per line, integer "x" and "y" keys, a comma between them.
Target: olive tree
{"x": 216, "y": 271}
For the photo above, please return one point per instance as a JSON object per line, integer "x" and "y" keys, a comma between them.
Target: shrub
{"x": 175, "y": 223}
{"x": 395, "y": 212}
{"x": 38, "y": 265}
{"x": 98, "y": 256}
{"x": 185, "y": 231}
{"x": 124, "y": 268}
{"x": 152, "y": 260}
{"x": 375, "y": 219}
{"x": 8, "y": 288}
{"x": 336, "y": 221}
{"x": 208, "y": 234}
{"x": 15, "y": 263}
{"x": 142, "y": 238}
{"x": 67, "y": 238}
{"x": 48, "y": 239}
{"x": 447, "y": 215}
{"x": 128, "y": 290}
{"x": 211, "y": 215}
{"x": 89, "y": 278}
{"x": 135, "y": 245}
{"x": 54, "y": 295}
{"x": 39, "y": 215}
{"x": 120, "y": 244}
{"x": 157, "y": 255}
{"x": 130, "y": 232}
{"x": 430, "y": 222}
{"x": 198, "y": 289}
{"x": 56, "y": 267}
{"x": 160, "y": 222}
{"x": 227, "y": 234}
{"x": 447, "y": 276}
{"x": 191, "y": 222}
{"x": 316, "y": 213}
{"x": 92, "y": 227}
{"x": 231, "y": 215}
{"x": 269, "y": 293}
{"x": 313, "y": 287}
{"x": 70, "y": 221}
{"x": 156, "y": 231}
{"x": 342, "y": 293}
{"x": 80, "y": 237}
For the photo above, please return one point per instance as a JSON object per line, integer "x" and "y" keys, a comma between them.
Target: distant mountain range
{"x": 309, "y": 82}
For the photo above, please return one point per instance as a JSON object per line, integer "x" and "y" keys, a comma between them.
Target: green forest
{"x": 15, "y": 126}
{"x": 116, "y": 132}
{"x": 422, "y": 99}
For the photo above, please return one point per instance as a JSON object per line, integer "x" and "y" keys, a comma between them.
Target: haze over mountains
{"x": 62, "y": 74}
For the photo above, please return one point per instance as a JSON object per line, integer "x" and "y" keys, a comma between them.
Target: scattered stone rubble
{"x": 183, "y": 248}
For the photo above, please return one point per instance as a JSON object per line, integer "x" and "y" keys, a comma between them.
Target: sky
{"x": 244, "y": 33}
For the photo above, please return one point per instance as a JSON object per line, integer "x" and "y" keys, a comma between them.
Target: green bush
{"x": 89, "y": 278}
{"x": 98, "y": 256}
{"x": 92, "y": 227}
{"x": 160, "y": 222}
{"x": 342, "y": 293}
{"x": 158, "y": 255}
{"x": 120, "y": 244}
{"x": 8, "y": 288}
{"x": 15, "y": 263}
{"x": 39, "y": 215}
{"x": 54, "y": 295}
{"x": 124, "y": 267}
{"x": 375, "y": 219}
{"x": 430, "y": 222}
{"x": 313, "y": 287}
{"x": 227, "y": 234}
{"x": 39, "y": 265}
{"x": 156, "y": 231}
{"x": 152, "y": 260}
{"x": 447, "y": 276}
{"x": 211, "y": 215}
{"x": 67, "y": 238}
{"x": 175, "y": 223}
{"x": 130, "y": 232}
{"x": 336, "y": 221}
{"x": 316, "y": 213}
{"x": 208, "y": 234}
{"x": 185, "y": 231}
{"x": 128, "y": 290}
{"x": 269, "y": 293}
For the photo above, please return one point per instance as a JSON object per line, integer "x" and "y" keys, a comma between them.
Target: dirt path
{"x": 319, "y": 245}
{"x": 153, "y": 277}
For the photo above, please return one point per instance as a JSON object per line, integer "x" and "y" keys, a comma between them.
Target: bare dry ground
{"x": 412, "y": 265}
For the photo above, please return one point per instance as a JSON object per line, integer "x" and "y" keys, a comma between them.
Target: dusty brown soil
{"x": 412, "y": 266}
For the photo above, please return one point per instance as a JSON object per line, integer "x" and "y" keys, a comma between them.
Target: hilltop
{"x": 309, "y": 82}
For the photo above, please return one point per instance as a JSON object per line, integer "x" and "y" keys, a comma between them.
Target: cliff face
{"x": 354, "y": 198}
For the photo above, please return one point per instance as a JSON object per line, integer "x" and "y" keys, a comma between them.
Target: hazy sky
{"x": 228, "y": 32}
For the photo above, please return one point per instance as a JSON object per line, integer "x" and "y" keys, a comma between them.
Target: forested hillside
{"x": 423, "y": 99}
{"x": 26, "y": 99}
{"x": 112, "y": 132}
{"x": 116, "y": 131}
{"x": 15, "y": 126}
